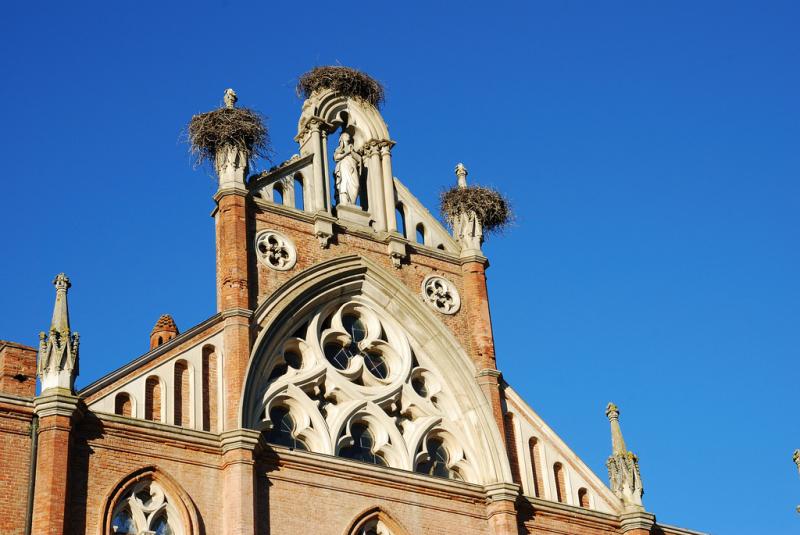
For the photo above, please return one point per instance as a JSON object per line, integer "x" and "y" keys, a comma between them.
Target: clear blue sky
{"x": 650, "y": 149}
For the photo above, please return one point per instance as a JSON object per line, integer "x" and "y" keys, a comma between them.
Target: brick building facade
{"x": 347, "y": 383}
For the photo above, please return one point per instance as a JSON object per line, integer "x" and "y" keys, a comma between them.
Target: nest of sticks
{"x": 490, "y": 206}
{"x": 241, "y": 127}
{"x": 346, "y": 81}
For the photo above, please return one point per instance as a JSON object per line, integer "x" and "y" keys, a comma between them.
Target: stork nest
{"x": 241, "y": 127}
{"x": 346, "y": 81}
{"x": 490, "y": 206}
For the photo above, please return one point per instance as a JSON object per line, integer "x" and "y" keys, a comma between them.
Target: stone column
{"x": 388, "y": 186}
{"x": 501, "y": 511}
{"x": 238, "y": 484}
{"x": 57, "y": 409}
{"x": 375, "y": 187}
{"x": 319, "y": 167}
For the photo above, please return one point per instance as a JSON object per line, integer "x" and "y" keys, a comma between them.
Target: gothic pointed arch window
{"x": 343, "y": 377}
{"x": 375, "y": 522}
{"x": 148, "y": 502}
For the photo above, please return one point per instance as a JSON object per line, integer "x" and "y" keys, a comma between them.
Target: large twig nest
{"x": 346, "y": 81}
{"x": 241, "y": 127}
{"x": 491, "y": 208}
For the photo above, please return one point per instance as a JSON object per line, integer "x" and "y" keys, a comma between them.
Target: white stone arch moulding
{"x": 463, "y": 414}
{"x": 374, "y": 521}
{"x": 166, "y": 495}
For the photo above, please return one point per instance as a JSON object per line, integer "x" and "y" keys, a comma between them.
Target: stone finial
{"x": 58, "y": 348}
{"x": 623, "y": 466}
{"x": 461, "y": 173}
{"x": 230, "y": 98}
{"x": 164, "y": 330}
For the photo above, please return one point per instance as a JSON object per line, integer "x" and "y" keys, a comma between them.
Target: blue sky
{"x": 650, "y": 150}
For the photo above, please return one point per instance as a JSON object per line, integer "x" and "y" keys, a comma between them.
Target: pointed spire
{"x": 623, "y": 466}
{"x": 58, "y": 349}
{"x": 617, "y": 442}
{"x": 60, "y": 321}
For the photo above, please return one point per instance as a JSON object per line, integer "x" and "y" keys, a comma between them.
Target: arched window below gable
{"x": 123, "y": 405}
{"x": 583, "y": 497}
{"x": 558, "y": 473}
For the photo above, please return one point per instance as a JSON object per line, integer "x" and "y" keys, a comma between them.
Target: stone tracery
{"x": 354, "y": 386}
{"x": 441, "y": 294}
{"x": 275, "y": 250}
{"x": 144, "y": 508}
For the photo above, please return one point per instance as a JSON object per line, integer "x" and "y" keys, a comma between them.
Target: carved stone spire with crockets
{"x": 796, "y": 459}
{"x": 623, "y": 466}
{"x": 58, "y": 349}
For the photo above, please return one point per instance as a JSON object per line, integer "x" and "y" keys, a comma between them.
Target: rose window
{"x": 346, "y": 380}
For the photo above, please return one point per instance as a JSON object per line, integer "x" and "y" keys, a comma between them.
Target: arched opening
{"x": 436, "y": 461}
{"x": 421, "y": 233}
{"x": 375, "y": 522}
{"x": 283, "y": 429}
{"x": 400, "y": 216}
{"x": 558, "y": 473}
{"x": 299, "y": 199}
{"x": 536, "y": 467}
{"x": 209, "y": 380}
{"x": 511, "y": 446}
{"x": 152, "y": 399}
{"x": 148, "y": 501}
{"x": 277, "y": 193}
{"x": 160, "y": 340}
{"x": 123, "y": 405}
{"x": 181, "y": 399}
{"x": 583, "y": 497}
{"x": 361, "y": 446}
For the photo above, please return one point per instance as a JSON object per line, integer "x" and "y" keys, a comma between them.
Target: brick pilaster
{"x": 501, "y": 511}
{"x": 233, "y": 295}
{"x": 57, "y": 412}
{"x": 238, "y": 481}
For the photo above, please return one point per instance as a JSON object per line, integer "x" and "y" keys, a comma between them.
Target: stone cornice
{"x": 237, "y": 439}
{"x": 636, "y": 520}
{"x": 164, "y": 432}
{"x": 288, "y": 211}
{"x": 57, "y": 402}
{"x": 557, "y": 508}
{"x": 489, "y": 372}
{"x": 240, "y": 191}
{"x": 320, "y": 463}
{"x": 474, "y": 258}
{"x": 502, "y": 491}
{"x": 237, "y": 312}
{"x": 16, "y": 400}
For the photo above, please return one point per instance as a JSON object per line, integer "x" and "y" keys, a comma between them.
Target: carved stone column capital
{"x": 56, "y": 402}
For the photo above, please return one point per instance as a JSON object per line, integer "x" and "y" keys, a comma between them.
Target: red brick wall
{"x": 181, "y": 399}
{"x": 536, "y": 466}
{"x": 152, "y": 399}
{"x": 15, "y": 450}
{"x": 17, "y": 369}
{"x": 209, "y": 389}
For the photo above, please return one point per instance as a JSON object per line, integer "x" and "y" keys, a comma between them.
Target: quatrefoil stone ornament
{"x": 441, "y": 294}
{"x": 275, "y": 250}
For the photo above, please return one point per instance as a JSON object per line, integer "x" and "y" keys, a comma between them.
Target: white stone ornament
{"x": 441, "y": 294}
{"x": 275, "y": 250}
